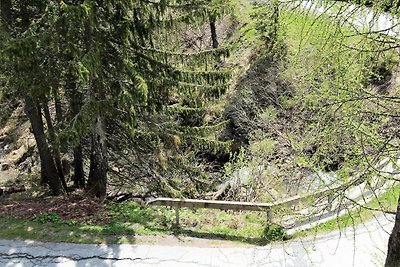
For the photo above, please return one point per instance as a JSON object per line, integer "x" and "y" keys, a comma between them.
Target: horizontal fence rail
{"x": 329, "y": 194}
{"x": 210, "y": 204}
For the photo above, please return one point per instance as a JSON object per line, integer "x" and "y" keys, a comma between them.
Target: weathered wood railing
{"x": 210, "y": 204}
{"x": 328, "y": 194}
{"x": 178, "y": 203}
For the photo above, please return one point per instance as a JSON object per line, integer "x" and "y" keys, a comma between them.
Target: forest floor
{"x": 76, "y": 208}
{"x": 83, "y": 220}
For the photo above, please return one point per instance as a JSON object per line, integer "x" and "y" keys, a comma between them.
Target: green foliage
{"x": 379, "y": 68}
{"x": 335, "y": 72}
{"x": 238, "y": 160}
{"x": 219, "y": 8}
{"x": 47, "y": 218}
{"x": 274, "y": 232}
{"x": 52, "y": 218}
{"x": 131, "y": 212}
{"x": 269, "y": 29}
{"x": 264, "y": 148}
{"x": 110, "y": 59}
{"x": 332, "y": 117}
{"x": 71, "y": 222}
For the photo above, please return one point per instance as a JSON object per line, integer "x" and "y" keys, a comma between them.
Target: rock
{"x": 26, "y": 166}
{"x": 26, "y": 155}
{"x": 15, "y": 156}
{"x": 4, "y": 166}
{"x": 10, "y": 174}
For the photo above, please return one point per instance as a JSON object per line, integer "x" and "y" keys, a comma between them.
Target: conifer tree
{"x": 105, "y": 59}
{"x": 25, "y": 69}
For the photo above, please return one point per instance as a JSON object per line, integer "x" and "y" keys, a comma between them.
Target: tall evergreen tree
{"x": 106, "y": 58}
{"x": 25, "y": 68}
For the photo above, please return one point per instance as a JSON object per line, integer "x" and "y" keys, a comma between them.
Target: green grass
{"x": 128, "y": 220}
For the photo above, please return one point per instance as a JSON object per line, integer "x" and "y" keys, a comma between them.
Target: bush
{"x": 47, "y": 218}
{"x": 273, "y": 232}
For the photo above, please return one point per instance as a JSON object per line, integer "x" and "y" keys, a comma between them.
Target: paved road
{"x": 363, "y": 246}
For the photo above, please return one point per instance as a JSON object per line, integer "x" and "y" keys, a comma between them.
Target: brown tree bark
{"x": 393, "y": 253}
{"x": 56, "y": 150}
{"x": 59, "y": 112}
{"x": 79, "y": 175}
{"x": 50, "y": 171}
{"x": 97, "y": 181}
{"x": 44, "y": 180}
{"x": 75, "y": 100}
{"x": 213, "y": 29}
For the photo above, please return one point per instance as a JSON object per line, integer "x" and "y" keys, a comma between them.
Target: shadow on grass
{"x": 161, "y": 221}
{"x": 181, "y": 232}
{"x": 259, "y": 241}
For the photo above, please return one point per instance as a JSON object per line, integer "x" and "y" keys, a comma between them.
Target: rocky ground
{"x": 18, "y": 156}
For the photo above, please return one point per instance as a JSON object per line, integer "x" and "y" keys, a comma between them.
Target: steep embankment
{"x": 17, "y": 149}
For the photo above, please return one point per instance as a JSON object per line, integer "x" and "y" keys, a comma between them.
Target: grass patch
{"x": 127, "y": 220}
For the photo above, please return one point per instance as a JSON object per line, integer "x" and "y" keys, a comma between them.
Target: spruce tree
{"x": 104, "y": 61}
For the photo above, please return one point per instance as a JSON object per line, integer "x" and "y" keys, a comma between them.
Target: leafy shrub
{"x": 273, "y": 232}
{"x": 71, "y": 222}
{"x": 47, "y": 218}
{"x": 131, "y": 211}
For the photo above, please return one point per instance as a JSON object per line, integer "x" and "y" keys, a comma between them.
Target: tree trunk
{"x": 213, "y": 29}
{"x": 59, "y": 116}
{"x": 75, "y": 99}
{"x": 274, "y": 34}
{"x": 393, "y": 254}
{"x": 97, "y": 181}
{"x": 50, "y": 171}
{"x": 56, "y": 150}
{"x": 79, "y": 175}
{"x": 44, "y": 179}
{"x": 5, "y": 12}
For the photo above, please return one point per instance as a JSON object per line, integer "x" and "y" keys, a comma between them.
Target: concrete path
{"x": 363, "y": 246}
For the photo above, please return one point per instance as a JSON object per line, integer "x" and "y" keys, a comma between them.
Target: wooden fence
{"x": 326, "y": 196}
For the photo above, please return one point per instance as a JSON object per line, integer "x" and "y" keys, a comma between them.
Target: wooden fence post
{"x": 270, "y": 215}
{"x": 177, "y": 216}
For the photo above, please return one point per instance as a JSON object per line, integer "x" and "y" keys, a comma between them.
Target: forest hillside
{"x": 106, "y": 105}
